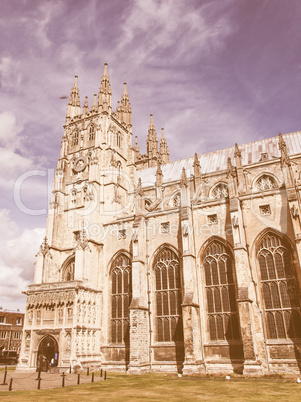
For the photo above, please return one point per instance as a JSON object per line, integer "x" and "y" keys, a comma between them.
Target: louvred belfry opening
{"x": 279, "y": 288}
{"x": 168, "y": 296}
{"x": 220, "y": 292}
{"x": 121, "y": 275}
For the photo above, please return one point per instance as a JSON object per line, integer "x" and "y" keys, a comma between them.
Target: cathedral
{"x": 148, "y": 265}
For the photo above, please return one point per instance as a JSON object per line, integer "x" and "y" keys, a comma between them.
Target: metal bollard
{"x": 70, "y": 370}
{"x": 92, "y": 379}
{"x": 78, "y": 379}
{"x": 105, "y": 376}
{"x": 63, "y": 379}
{"x": 101, "y": 373}
{"x": 88, "y": 370}
{"x": 10, "y": 385}
{"x": 39, "y": 375}
{"x": 39, "y": 383}
{"x": 4, "y": 378}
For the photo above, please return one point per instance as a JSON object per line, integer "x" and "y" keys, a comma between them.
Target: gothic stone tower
{"x": 190, "y": 266}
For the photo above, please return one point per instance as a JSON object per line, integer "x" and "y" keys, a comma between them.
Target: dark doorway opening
{"x": 48, "y": 354}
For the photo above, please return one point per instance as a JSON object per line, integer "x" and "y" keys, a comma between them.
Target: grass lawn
{"x": 160, "y": 387}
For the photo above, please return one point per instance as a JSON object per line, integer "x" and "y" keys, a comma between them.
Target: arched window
{"x": 220, "y": 191}
{"x": 75, "y": 138}
{"x": 265, "y": 182}
{"x": 68, "y": 271}
{"x": 176, "y": 200}
{"x": 121, "y": 275}
{"x": 118, "y": 139}
{"x": 91, "y": 133}
{"x": 168, "y": 296}
{"x": 220, "y": 292}
{"x": 279, "y": 288}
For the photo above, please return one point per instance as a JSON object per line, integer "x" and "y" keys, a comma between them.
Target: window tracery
{"x": 121, "y": 296}
{"x": 279, "y": 289}
{"x": 176, "y": 201}
{"x": 168, "y": 297}
{"x": 265, "y": 182}
{"x": 220, "y": 292}
{"x": 220, "y": 191}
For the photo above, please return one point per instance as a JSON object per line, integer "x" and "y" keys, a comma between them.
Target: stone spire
{"x": 125, "y": 107}
{"x": 105, "y": 92}
{"x": 152, "y": 143}
{"x": 237, "y": 156}
{"x": 239, "y": 169}
{"x": 159, "y": 176}
{"x": 285, "y": 163}
{"x": 284, "y": 158}
{"x": 197, "y": 170}
{"x": 74, "y": 101}
{"x": 231, "y": 171}
{"x": 164, "y": 151}
{"x": 183, "y": 183}
{"x": 85, "y": 107}
{"x": 94, "y": 105}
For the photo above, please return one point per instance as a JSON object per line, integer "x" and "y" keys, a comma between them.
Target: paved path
{"x": 27, "y": 381}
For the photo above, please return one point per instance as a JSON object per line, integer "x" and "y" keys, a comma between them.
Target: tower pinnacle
{"x": 105, "y": 92}
{"x": 73, "y": 108}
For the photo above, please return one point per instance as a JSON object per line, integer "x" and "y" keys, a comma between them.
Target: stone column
{"x": 255, "y": 358}
{"x": 193, "y": 361}
{"x": 139, "y": 311}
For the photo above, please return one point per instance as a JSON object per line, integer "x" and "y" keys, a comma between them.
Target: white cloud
{"x": 8, "y": 130}
{"x": 10, "y": 75}
{"x": 17, "y": 256}
{"x": 156, "y": 25}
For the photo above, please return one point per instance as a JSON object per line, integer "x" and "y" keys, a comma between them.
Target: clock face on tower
{"x": 80, "y": 164}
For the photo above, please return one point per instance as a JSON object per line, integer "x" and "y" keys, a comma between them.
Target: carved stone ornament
{"x": 235, "y": 221}
{"x": 88, "y": 192}
{"x": 295, "y": 212}
{"x": 185, "y": 229}
{"x": 82, "y": 241}
{"x": 44, "y": 248}
{"x": 80, "y": 164}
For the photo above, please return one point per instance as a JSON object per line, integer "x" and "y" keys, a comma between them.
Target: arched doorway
{"x": 48, "y": 353}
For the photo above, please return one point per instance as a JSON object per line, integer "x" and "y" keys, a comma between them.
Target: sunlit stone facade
{"x": 190, "y": 266}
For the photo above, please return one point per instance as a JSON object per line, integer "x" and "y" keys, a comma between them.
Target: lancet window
{"x": 68, "y": 271}
{"x": 91, "y": 133}
{"x": 220, "y": 292}
{"x": 279, "y": 288}
{"x": 75, "y": 138}
{"x": 168, "y": 296}
{"x": 121, "y": 276}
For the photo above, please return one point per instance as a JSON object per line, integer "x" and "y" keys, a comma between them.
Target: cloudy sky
{"x": 212, "y": 73}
